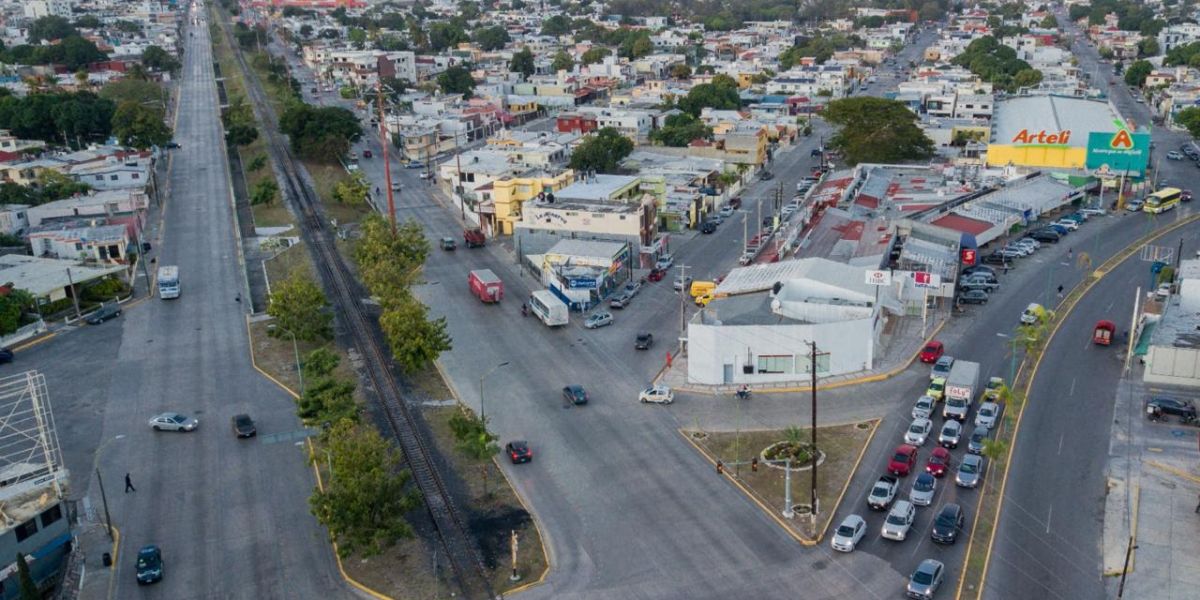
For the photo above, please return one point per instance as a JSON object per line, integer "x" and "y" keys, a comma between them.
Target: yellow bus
{"x": 1162, "y": 200}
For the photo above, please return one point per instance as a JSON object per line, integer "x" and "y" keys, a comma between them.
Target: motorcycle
{"x": 743, "y": 393}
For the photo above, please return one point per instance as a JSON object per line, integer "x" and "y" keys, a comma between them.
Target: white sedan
{"x": 599, "y": 319}
{"x": 659, "y": 394}
{"x": 986, "y": 416}
{"x": 848, "y": 534}
{"x": 173, "y": 422}
{"x": 918, "y": 432}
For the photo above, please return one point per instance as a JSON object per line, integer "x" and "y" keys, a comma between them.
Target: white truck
{"x": 961, "y": 386}
{"x": 552, "y": 311}
{"x": 168, "y": 282}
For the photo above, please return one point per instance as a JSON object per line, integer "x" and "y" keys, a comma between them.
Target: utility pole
{"x": 387, "y": 162}
{"x": 682, "y": 307}
{"x": 813, "y": 353}
{"x": 1125, "y": 569}
{"x": 104, "y": 500}
{"x": 74, "y": 294}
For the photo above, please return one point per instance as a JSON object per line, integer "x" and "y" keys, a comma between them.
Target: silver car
{"x": 599, "y": 319}
{"x": 970, "y": 471}
{"x": 986, "y": 415}
{"x": 848, "y": 534}
{"x": 923, "y": 408}
{"x": 923, "y": 490}
{"x": 899, "y": 521}
{"x": 951, "y": 432}
{"x": 926, "y": 580}
{"x": 171, "y": 421}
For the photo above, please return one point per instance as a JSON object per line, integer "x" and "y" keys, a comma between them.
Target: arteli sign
{"x": 1042, "y": 137}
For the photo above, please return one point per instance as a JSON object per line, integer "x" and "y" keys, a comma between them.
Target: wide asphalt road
{"x": 231, "y": 516}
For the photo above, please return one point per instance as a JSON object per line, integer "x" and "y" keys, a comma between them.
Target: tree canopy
{"x": 71, "y": 52}
{"x": 679, "y": 130}
{"x": 299, "y": 306}
{"x": 445, "y": 34}
{"x": 594, "y": 55}
{"x": 1189, "y": 118}
{"x": 492, "y": 38}
{"x": 1183, "y": 55}
{"x": 319, "y": 132}
{"x": 522, "y": 62}
{"x": 50, "y": 28}
{"x": 457, "y": 80}
{"x": 721, "y": 94}
{"x": 66, "y": 118}
{"x": 1137, "y": 72}
{"x": 820, "y": 47}
{"x": 876, "y": 130}
{"x": 603, "y": 151}
{"x": 157, "y": 59}
{"x": 140, "y": 126}
{"x": 996, "y": 63}
{"x": 562, "y": 62}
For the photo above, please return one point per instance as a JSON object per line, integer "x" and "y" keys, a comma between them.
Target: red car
{"x": 518, "y": 451}
{"x": 656, "y": 274}
{"x": 367, "y": 154}
{"x": 903, "y": 460}
{"x": 939, "y": 462}
{"x": 932, "y": 351}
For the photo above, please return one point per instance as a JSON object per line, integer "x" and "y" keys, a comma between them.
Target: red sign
{"x": 923, "y": 278}
{"x": 968, "y": 256}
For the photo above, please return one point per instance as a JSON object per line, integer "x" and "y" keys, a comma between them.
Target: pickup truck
{"x": 883, "y": 493}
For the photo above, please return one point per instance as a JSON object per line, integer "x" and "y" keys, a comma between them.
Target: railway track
{"x": 449, "y": 524}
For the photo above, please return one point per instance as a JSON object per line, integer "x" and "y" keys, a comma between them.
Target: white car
{"x": 665, "y": 262}
{"x": 1032, "y": 243}
{"x": 599, "y": 319}
{"x": 951, "y": 432}
{"x": 171, "y": 421}
{"x": 918, "y": 432}
{"x": 923, "y": 489}
{"x": 1174, "y": 155}
{"x": 848, "y": 534}
{"x": 899, "y": 521}
{"x": 923, "y": 408}
{"x": 726, "y": 211}
{"x": 1068, "y": 223}
{"x": 659, "y": 394}
{"x": 986, "y": 416}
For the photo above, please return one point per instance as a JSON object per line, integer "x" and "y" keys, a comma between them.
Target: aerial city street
{"x": 600, "y": 299}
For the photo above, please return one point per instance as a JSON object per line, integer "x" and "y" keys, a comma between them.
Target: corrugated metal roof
{"x": 1052, "y": 114}
{"x": 963, "y": 224}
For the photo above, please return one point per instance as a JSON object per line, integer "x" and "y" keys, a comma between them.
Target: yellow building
{"x": 508, "y": 194}
{"x": 1046, "y": 131}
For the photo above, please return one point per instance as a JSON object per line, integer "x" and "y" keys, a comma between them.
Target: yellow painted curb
{"x": 1173, "y": 470}
{"x": 541, "y": 535}
{"x": 116, "y": 546}
{"x": 34, "y": 342}
{"x": 875, "y": 423}
{"x": 1133, "y": 526}
{"x": 1061, "y": 317}
{"x": 771, "y": 512}
{"x": 254, "y": 363}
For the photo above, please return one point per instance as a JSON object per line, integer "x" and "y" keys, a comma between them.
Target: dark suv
{"x": 644, "y": 341}
{"x": 575, "y": 394}
{"x": 947, "y": 525}
{"x": 110, "y": 310}
{"x": 149, "y": 565}
{"x": 1170, "y": 406}
{"x": 1046, "y": 235}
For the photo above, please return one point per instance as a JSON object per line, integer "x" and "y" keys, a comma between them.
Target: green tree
{"x": 557, "y": 25}
{"x": 522, "y": 62}
{"x": 681, "y": 71}
{"x": 1190, "y": 119}
{"x": 320, "y": 363}
{"x": 876, "y": 130}
{"x": 415, "y": 340}
{"x": 1137, "y": 72}
{"x": 327, "y": 400}
{"x": 444, "y": 34}
{"x": 721, "y": 94}
{"x": 28, "y": 588}
{"x": 157, "y": 59}
{"x": 562, "y": 62}
{"x": 457, "y": 80}
{"x": 49, "y": 28}
{"x": 88, "y": 22}
{"x": 1027, "y": 78}
{"x": 146, "y": 93}
{"x": 241, "y": 135}
{"x": 1148, "y": 47}
{"x": 1049, "y": 22}
{"x": 265, "y": 192}
{"x": 53, "y": 185}
{"x": 492, "y": 38}
{"x": 257, "y": 163}
{"x": 368, "y": 493}
{"x": 12, "y": 306}
{"x": 603, "y": 151}
{"x": 679, "y": 130}
{"x": 468, "y": 10}
{"x": 352, "y": 190}
{"x": 298, "y": 305}
{"x": 306, "y": 31}
{"x": 636, "y": 46}
{"x": 318, "y": 132}
{"x": 594, "y": 55}
{"x": 389, "y": 263}
{"x": 358, "y": 37}
{"x": 472, "y": 437}
{"x": 140, "y": 126}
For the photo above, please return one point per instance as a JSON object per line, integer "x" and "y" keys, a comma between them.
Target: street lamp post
{"x": 482, "y": 411}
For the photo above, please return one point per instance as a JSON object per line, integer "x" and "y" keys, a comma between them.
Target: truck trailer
{"x": 486, "y": 285}
{"x": 961, "y": 386}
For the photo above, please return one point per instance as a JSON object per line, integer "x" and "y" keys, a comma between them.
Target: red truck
{"x": 474, "y": 238}
{"x": 486, "y": 285}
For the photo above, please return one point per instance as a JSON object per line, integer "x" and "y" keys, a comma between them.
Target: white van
{"x": 1034, "y": 313}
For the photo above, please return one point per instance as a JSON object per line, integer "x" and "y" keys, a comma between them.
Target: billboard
{"x": 1118, "y": 152}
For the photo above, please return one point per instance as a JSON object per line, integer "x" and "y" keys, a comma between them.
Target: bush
{"x": 105, "y": 290}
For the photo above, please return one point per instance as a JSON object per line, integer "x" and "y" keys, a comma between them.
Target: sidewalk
{"x": 1154, "y": 488}
{"x": 900, "y": 343}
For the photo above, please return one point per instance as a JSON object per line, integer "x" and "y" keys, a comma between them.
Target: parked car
{"x": 973, "y": 296}
{"x": 659, "y": 394}
{"x": 766, "y": 176}
{"x": 682, "y": 282}
{"x": 644, "y": 341}
{"x": 709, "y": 226}
{"x": 978, "y": 436}
{"x": 970, "y": 471}
{"x": 149, "y": 565}
{"x": 448, "y": 244}
{"x": 726, "y": 211}
{"x": 899, "y": 520}
{"x": 932, "y": 351}
{"x": 110, "y": 310}
{"x": 415, "y": 164}
{"x": 848, "y": 534}
{"x": 947, "y": 524}
{"x": 938, "y": 462}
{"x": 1029, "y": 242}
{"x": 923, "y": 407}
{"x": 598, "y": 320}
{"x": 6, "y": 355}
{"x": 621, "y": 300}
{"x": 1170, "y": 406}
{"x": 923, "y": 489}
{"x": 996, "y": 258}
{"x": 987, "y": 414}
{"x": 918, "y": 432}
{"x": 665, "y": 262}
{"x": 1046, "y": 235}
{"x": 1008, "y": 253}
{"x": 575, "y": 394}
{"x": 518, "y": 451}
{"x": 902, "y": 460}
{"x": 172, "y": 421}
{"x": 967, "y": 285}
{"x": 656, "y": 274}
{"x": 1174, "y": 155}
{"x": 951, "y": 432}
{"x": 925, "y": 581}
{"x": 1055, "y": 227}
{"x": 1070, "y": 224}
{"x": 243, "y": 426}
{"x": 1134, "y": 205}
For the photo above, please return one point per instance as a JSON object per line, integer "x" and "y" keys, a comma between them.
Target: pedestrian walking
{"x": 129, "y": 484}
{"x": 1070, "y": 252}
{"x": 1060, "y": 289}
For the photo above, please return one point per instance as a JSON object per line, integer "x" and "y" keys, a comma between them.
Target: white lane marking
{"x": 1049, "y": 514}
{"x": 1072, "y": 392}
{"x": 1060, "y": 442}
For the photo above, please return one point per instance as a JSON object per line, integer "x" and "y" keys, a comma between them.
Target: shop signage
{"x": 1042, "y": 137}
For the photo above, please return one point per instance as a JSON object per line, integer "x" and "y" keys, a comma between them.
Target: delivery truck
{"x": 486, "y": 285}
{"x": 552, "y": 311}
{"x": 961, "y": 386}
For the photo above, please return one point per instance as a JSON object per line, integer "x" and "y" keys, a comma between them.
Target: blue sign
{"x": 581, "y": 283}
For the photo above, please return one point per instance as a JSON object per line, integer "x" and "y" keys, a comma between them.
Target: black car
{"x": 1046, "y": 235}
{"x": 994, "y": 259}
{"x": 518, "y": 451}
{"x": 815, "y": 152}
{"x": 644, "y": 341}
{"x": 243, "y": 426}
{"x": 1170, "y": 406}
{"x": 947, "y": 524}
{"x": 973, "y": 296}
{"x": 6, "y": 355}
{"x": 766, "y": 176}
{"x": 110, "y": 310}
{"x": 708, "y": 227}
{"x": 149, "y": 564}
{"x": 575, "y": 394}
{"x": 969, "y": 271}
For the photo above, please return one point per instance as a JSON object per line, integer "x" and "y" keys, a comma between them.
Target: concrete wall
{"x": 711, "y": 347}
{"x": 1173, "y": 366}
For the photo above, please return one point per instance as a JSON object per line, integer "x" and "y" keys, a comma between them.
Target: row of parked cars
{"x": 979, "y": 281}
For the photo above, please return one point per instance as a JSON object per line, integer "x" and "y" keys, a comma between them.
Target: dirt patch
{"x": 292, "y": 261}
{"x": 841, "y": 446}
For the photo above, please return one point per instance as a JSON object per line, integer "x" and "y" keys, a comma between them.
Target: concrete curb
{"x": 254, "y": 363}
{"x": 875, "y": 423}
{"x": 1064, "y": 310}
{"x": 1133, "y": 527}
{"x": 116, "y": 547}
